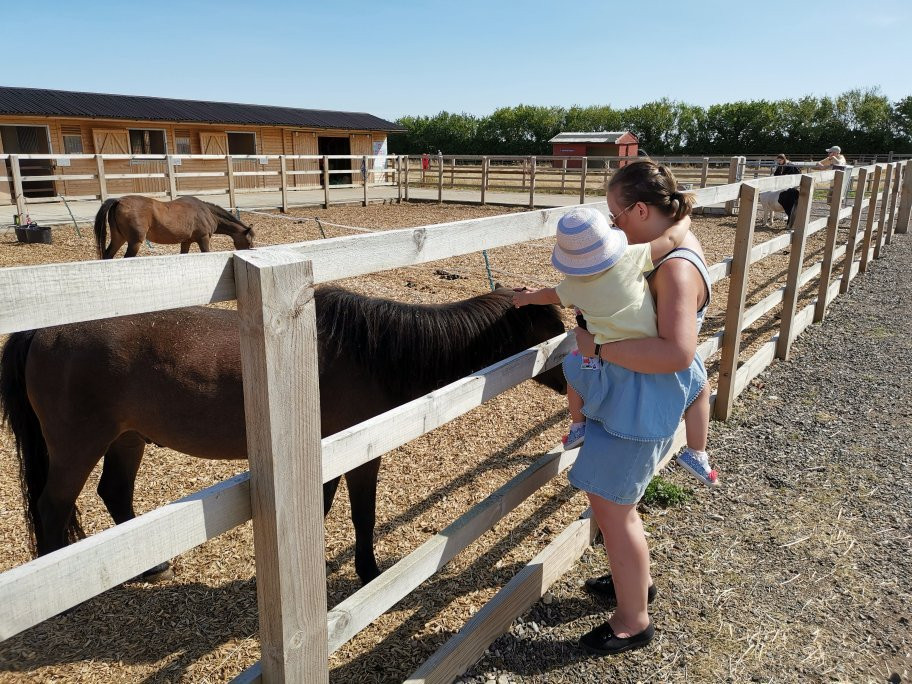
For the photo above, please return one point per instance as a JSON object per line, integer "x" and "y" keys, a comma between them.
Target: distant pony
{"x": 134, "y": 218}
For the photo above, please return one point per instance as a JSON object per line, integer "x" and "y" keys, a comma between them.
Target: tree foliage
{"x": 857, "y": 120}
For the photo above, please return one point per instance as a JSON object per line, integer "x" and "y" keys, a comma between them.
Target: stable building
{"x": 596, "y": 144}
{"x": 38, "y": 121}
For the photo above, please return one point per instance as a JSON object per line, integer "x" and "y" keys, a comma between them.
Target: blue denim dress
{"x": 631, "y": 416}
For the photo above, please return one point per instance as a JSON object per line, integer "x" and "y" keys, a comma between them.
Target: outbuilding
{"x": 595, "y": 144}
{"x": 39, "y": 121}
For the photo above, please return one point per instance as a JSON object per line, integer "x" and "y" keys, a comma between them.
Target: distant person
{"x": 833, "y": 159}
{"x": 784, "y": 167}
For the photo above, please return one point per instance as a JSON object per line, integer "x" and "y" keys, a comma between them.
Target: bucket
{"x": 33, "y": 233}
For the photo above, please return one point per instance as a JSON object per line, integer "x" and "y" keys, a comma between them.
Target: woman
{"x": 614, "y": 466}
{"x": 784, "y": 167}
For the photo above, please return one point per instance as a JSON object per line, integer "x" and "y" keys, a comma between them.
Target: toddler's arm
{"x": 546, "y": 295}
{"x": 671, "y": 238}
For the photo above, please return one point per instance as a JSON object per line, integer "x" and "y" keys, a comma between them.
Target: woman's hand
{"x": 522, "y": 296}
{"x": 585, "y": 341}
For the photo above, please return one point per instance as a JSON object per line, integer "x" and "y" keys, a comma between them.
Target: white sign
{"x": 380, "y": 152}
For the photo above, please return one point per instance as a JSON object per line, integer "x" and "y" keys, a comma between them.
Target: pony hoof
{"x": 161, "y": 572}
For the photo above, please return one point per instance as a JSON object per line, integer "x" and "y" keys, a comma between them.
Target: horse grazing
{"x": 74, "y": 393}
{"x": 134, "y": 218}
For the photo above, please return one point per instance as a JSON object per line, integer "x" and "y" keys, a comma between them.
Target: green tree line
{"x": 860, "y": 121}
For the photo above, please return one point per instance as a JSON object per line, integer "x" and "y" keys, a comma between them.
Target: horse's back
{"x": 172, "y": 376}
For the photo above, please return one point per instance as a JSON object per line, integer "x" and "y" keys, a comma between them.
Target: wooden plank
{"x": 232, "y": 186}
{"x": 283, "y": 171}
{"x": 853, "y": 230}
{"x": 18, "y": 195}
{"x": 439, "y": 179}
{"x": 365, "y": 178}
{"x": 532, "y": 164}
{"x": 524, "y": 589}
{"x": 484, "y": 178}
{"x": 796, "y": 262}
{"x": 583, "y": 170}
{"x": 704, "y": 172}
{"x": 871, "y": 215}
{"x": 364, "y": 606}
{"x": 734, "y": 172}
{"x": 879, "y": 238}
{"x": 172, "y": 181}
{"x": 117, "y": 554}
{"x": 905, "y": 200}
{"x": 277, "y": 316}
{"x": 737, "y": 288}
{"x": 102, "y": 183}
{"x": 399, "y": 179}
{"x": 366, "y": 441}
{"x": 897, "y": 182}
{"x": 407, "y": 166}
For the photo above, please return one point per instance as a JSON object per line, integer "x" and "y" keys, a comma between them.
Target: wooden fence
{"x": 80, "y": 177}
{"x": 289, "y": 461}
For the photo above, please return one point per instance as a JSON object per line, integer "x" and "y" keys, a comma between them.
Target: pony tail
{"x": 101, "y": 225}
{"x": 682, "y": 204}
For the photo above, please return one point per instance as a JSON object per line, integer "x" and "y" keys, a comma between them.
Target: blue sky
{"x": 397, "y": 58}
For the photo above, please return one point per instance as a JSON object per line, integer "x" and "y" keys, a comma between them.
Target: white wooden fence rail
{"x": 273, "y": 288}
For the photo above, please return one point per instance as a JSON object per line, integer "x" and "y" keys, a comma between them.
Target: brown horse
{"x": 134, "y": 218}
{"x": 74, "y": 393}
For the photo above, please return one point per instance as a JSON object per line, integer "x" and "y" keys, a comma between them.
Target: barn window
{"x": 72, "y": 139}
{"x": 147, "y": 141}
{"x": 182, "y": 142}
{"x": 242, "y": 143}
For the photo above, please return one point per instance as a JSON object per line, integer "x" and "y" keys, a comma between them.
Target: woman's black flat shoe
{"x": 603, "y": 641}
{"x": 604, "y": 586}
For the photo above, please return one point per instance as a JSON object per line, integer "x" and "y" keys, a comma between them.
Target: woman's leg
{"x": 696, "y": 420}
{"x": 628, "y": 555}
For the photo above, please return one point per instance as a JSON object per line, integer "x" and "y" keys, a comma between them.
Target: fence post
{"x": 484, "y": 177}
{"x": 325, "y": 182}
{"x": 869, "y": 223}
{"x": 364, "y": 179}
{"x": 282, "y": 411}
{"x": 734, "y": 313}
{"x": 884, "y": 217}
{"x": 704, "y": 172}
{"x": 532, "y": 165}
{"x": 232, "y": 199}
{"x": 523, "y": 173}
{"x": 826, "y": 267}
{"x": 583, "y": 180}
{"x": 564, "y": 175}
{"x": 905, "y": 200}
{"x": 453, "y": 172}
{"x": 17, "y": 186}
{"x": 439, "y": 179}
{"x": 283, "y": 168}
{"x": 605, "y": 180}
{"x": 102, "y": 183}
{"x": 894, "y": 198}
{"x": 796, "y": 263}
{"x": 734, "y": 175}
{"x": 172, "y": 181}
{"x": 860, "y": 186}
{"x": 399, "y": 179}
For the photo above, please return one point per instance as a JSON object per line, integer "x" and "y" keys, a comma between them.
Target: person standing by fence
{"x": 614, "y": 466}
{"x": 833, "y": 159}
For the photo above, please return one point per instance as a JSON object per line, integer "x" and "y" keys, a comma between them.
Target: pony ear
{"x": 498, "y": 285}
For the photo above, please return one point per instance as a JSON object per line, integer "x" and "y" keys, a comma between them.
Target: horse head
{"x": 242, "y": 234}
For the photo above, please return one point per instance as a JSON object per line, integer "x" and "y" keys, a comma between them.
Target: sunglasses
{"x": 613, "y": 218}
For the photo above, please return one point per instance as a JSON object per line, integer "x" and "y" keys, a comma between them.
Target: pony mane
{"x": 415, "y": 348}
{"x": 225, "y": 215}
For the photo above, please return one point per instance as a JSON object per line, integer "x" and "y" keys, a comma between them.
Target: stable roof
{"x": 595, "y": 137}
{"x": 41, "y": 102}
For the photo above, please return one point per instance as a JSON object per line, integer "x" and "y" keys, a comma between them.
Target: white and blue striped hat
{"x": 586, "y": 243}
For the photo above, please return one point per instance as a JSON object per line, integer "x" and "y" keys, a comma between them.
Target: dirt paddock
{"x": 202, "y": 625}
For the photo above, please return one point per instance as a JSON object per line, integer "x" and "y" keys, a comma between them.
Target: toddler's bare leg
{"x": 575, "y": 402}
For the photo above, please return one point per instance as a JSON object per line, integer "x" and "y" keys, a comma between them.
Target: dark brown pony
{"x": 134, "y": 218}
{"x": 74, "y": 393}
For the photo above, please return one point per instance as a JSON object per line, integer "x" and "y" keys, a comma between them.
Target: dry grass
{"x": 201, "y": 626}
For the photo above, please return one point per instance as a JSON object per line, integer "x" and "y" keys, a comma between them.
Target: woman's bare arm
{"x": 679, "y": 293}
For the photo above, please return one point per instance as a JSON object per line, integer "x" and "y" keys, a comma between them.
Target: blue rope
{"x": 484, "y": 253}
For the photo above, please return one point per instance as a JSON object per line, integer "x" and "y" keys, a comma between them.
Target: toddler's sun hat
{"x": 586, "y": 243}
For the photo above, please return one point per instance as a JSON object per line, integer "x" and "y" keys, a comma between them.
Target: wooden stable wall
{"x": 109, "y": 136}
{"x": 288, "y": 461}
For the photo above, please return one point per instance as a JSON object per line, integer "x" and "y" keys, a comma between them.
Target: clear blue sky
{"x": 396, "y": 58}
